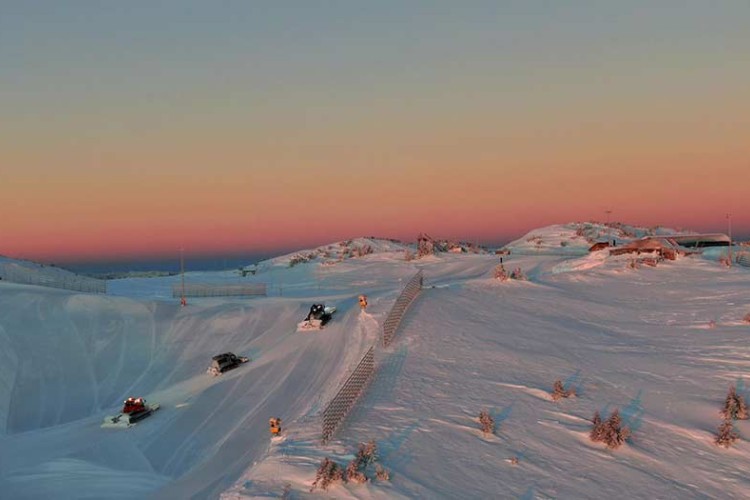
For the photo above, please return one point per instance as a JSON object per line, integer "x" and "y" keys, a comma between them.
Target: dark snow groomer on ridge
{"x": 317, "y": 318}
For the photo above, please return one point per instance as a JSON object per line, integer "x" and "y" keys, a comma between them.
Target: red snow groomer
{"x": 133, "y": 410}
{"x": 133, "y": 405}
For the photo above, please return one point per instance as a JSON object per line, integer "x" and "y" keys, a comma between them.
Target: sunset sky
{"x": 131, "y": 129}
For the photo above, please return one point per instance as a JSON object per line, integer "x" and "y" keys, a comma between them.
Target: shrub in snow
{"x": 559, "y": 391}
{"x": 724, "y": 260}
{"x": 298, "y": 259}
{"x": 425, "y": 245}
{"x": 286, "y": 494}
{"x": 328, "y": 472}
{"x": 354, "y": 474}
{"x": 726, "y": 436}
{"x": 746, "y": 319}
{"x": 500, "y": 273}
{"x": 517, "y": 274}
{"x": 712, "y": 324}
{"x": 363, "y": 250}
{"x": 408, "y": 255}
{"x": 486, "y": 422}
{"x": 597, "y": 431}
{"x": 734, "y": 406}
{"x": 382, "y": 474}
{"x": 610, "y": 432}
{"x": 367, "y": 455}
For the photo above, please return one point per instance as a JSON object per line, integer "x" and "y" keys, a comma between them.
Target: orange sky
{"x": 122, "y": 140}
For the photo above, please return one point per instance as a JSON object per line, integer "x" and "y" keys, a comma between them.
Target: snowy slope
{"x": 576, "y": 238}
{"x": 69, "y": 359}
{"x": 662, "y": 344}
{"x": 336, "y": 252}
{"x": 639, "y": 340}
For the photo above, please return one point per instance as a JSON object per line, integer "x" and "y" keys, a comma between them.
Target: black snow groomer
{"x": 317, "y": 318}
{"x": 225, "y": 362}
{"x": 133, "y": 411}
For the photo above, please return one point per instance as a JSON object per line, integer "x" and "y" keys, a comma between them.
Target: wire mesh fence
{"x": 51, "y": 277}
{"x": 341, "y": 404}
{"x": 220, "y": 290}
{"x": 396, "y": 314}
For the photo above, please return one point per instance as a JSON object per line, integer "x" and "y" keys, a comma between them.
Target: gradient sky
{"x": 136, "y": 128}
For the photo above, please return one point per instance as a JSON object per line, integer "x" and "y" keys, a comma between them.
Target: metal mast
{"x": 183, "y": 302}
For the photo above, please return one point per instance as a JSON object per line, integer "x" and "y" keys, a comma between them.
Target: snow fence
{"x": 343, "y": 402}
{"x": 396, "y": 314}
{"x": 219, "y": 290}
{"x": 51, "y": 277}
{"x": 743, "y": 258}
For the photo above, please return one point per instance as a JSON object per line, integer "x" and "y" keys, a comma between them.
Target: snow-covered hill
{"x": 371, "y": 247}
{"x": 576, "y": 238}
{"x": 662, "y": 344}
{"x": 335, "y": 252}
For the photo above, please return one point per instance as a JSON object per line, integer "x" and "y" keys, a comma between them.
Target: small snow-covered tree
{"x": 329, "y": 472}
{"x": 425, "y": 245}
{"x": 500, "y": 273}
{"x": 486, "y": 422}
{"x": 614, "y": 432}
{"x": 363, "y": 250}
{"x": 354, "y": 474}
{"x": 518, "y": 274}
{"x": 366, "y": 455}
{"x": 382, "y": 474}
{"x": 559, "y": 391}
{"x": 286, "y": 493}
{"x": 735, "y": 407}
{"x": 611, "y": 432}
{"x": 597, "y": 431}
{"x": 726, "y": 435}
{"x": 297, "y": 259}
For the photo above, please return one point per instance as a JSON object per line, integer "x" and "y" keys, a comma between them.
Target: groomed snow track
{"x": 69, "y": 359}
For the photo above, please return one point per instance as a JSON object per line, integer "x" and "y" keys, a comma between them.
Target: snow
{"x": 661, "y": 344}
{"x": 576, "y": 238}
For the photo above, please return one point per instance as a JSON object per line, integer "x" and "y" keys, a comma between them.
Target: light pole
{"x": 183, "y": 302}
{"x": 729, "y": 223}
{"x": 609, "y": 230}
